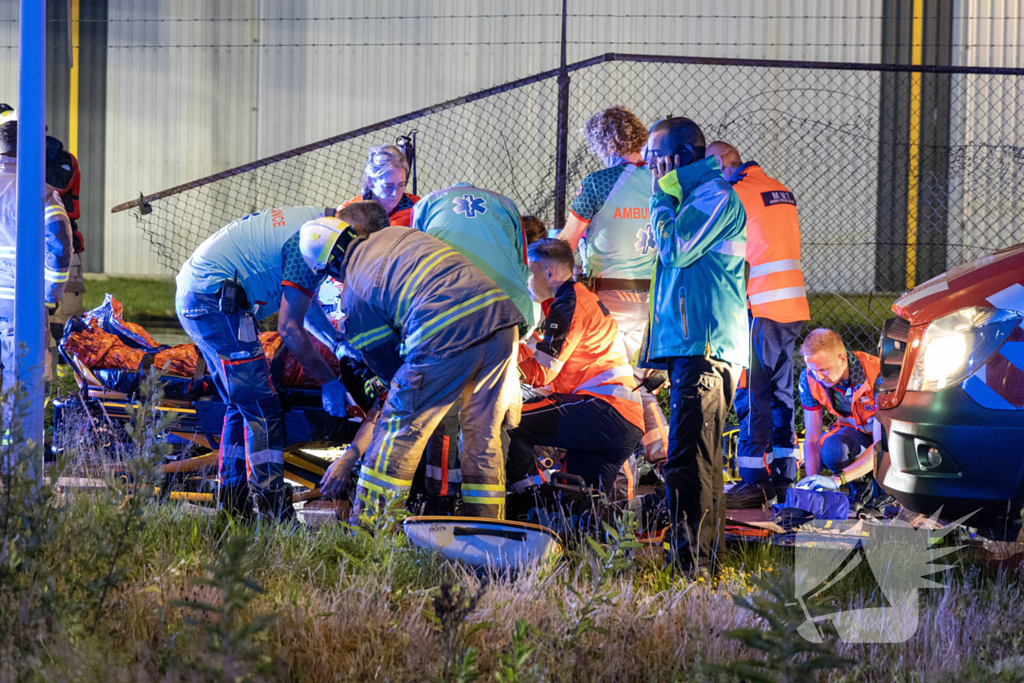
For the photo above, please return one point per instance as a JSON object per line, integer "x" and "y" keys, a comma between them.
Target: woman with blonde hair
{"x": 384, "y": 180}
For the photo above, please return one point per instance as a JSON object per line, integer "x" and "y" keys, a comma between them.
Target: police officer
{"x": 255, "y": 266}
{"x": 697, "y": 328}
{"x": 766, "y": 453}
{"x": 610, "y": 215}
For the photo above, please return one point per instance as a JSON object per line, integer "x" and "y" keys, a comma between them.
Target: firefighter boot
{"x": 235, "y": 501}
{"x": 753, "y": 494}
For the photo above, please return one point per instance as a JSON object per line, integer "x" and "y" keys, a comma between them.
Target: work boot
{"x": 275, "y": 506}
{"x": 749, "y": 495}
{"x": 235, "y": 501}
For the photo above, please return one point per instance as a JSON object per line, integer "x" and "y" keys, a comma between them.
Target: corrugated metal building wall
{"x": 198, "y": 86}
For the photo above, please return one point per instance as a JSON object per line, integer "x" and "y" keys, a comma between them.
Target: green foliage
{"x": 226, "y": 629}
{"x": 605, "y": 562}
{"x": 377, "y": 532}
{"x": 142, "y": 298}
{"x": 787, "y": 656}
{"x": 518, "y": 664}
{"x": 452, "y": 604}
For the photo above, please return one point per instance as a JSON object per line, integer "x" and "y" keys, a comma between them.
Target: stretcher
{"x": 110, "y": 358}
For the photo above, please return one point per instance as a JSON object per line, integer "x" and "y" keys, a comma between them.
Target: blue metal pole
{"x": 29, "y": 314}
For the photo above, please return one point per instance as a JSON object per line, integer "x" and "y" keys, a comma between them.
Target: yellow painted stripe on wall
{"x": 913, "y": 171}
{"x": 73, "y": 95}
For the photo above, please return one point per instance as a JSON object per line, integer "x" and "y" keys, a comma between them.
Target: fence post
{"x": 562, "y": 150}
{"x": 29, "y": 314}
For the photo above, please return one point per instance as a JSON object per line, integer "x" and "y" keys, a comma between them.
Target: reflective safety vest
{"x": 863, "y": 409}
{"x": 776, "y": 287}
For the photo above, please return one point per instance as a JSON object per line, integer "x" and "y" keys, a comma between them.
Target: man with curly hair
{"x": 611, "y": 216}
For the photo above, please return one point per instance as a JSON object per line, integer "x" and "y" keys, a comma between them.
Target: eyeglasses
{"x": 388, "y": 189}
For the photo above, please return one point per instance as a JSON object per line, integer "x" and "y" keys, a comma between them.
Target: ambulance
{"x": 950, "y": 396}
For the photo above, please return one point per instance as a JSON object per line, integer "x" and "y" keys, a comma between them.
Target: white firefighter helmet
{"x": 317, "y": 239}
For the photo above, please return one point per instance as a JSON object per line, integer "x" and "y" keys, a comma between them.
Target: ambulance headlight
{"x": 955, "y": 346}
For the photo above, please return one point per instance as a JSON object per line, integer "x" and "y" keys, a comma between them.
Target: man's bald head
{"x": 728, "y": 157}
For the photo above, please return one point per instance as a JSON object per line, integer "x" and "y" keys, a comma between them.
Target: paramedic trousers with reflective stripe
{"x": 701, "y": 394}
{"x": 595, "y": 436}
{"x": 629, "y": 309}
{"x": 252, "y": 440}
{"x": 765, "y": 406}
{"x": 421, "y": 393}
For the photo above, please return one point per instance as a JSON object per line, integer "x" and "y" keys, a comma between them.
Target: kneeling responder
{"x": 266, "y": 262}
{"x": 590, "y": 404}
{"x": 432, "y": 324}
{"x": 766, "y": 452}
{"x": 842, "y": 385}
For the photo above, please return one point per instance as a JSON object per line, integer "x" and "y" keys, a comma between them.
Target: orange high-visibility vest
{"x": 863, "y": 396}
{"x": 776, "y": 287}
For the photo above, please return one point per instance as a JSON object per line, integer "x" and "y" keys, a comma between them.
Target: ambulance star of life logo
{"x": 645, "y": 240}
{"x": 470, "y": 205}
{"x": 898, "y": 556}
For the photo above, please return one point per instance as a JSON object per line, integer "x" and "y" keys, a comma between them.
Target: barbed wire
{"x": 611, "y": 44}
{"x": 761, "y": 17}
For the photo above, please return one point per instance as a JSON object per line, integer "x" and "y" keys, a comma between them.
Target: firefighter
{"x": 588, "y": 402}
{"x": 767, "y": 450}
{"x": 842, "y": 385}
{"x": 486, "y": 228}
{"x": 697, "y": 329}
{"x": 267, "y": 262}
{"x": 428, "y": 321}
{"x": 58, "y": 245}
{"x": 610, "y": 215}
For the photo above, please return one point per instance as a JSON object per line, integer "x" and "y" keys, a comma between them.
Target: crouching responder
{"x": 57, "y": 256}
{"x": 766, "y": 452}
{"x": 432, "y": 324}
{"x": 589, "y": 405}
{"x": 842, "y": 385}
{"x": 267, "y": 262}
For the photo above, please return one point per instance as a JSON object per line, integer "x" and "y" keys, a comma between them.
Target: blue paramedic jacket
{"x": 698, "y": 297}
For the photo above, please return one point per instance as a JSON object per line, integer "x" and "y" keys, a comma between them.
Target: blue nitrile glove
{"x": 818, "y": 482}
{"x": 334, "y": 398}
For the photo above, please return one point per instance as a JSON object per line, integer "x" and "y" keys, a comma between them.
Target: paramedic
{"x": 698, "y": 329}
{"x": 767, "y": 451}
{"x": 588, "y": 403}
{"x": 255, "y": 266}
{"x": 611, "y": 216}
{"x": 842, "y": 385}
{"x": 385, "y": 175}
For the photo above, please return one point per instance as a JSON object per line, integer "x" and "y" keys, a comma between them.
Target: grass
{"x": 143, "y": 299}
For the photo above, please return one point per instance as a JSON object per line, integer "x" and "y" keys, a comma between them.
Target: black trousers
{"x": 596, "y": 438}
{"x": 701, "y": 395}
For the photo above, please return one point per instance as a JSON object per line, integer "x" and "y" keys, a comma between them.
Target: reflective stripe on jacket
{"x": 581, "y": 352}
{"x": 775, "y": 289}
{"x": 57, "y": 237}
{"x": 864, "y": 370}
{"x": 408, "y": 295}
{"x": 698, "y": 298}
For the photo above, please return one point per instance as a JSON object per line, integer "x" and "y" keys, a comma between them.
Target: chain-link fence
{"x": 899, "y": 172}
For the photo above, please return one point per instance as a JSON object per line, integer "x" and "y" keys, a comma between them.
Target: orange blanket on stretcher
{"x": 97, "y": 349}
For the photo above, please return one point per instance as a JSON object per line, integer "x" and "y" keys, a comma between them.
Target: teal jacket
{"x": 698, "y": 296}
{"x": 484, "y": 227}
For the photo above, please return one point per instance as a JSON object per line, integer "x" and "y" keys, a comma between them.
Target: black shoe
{"x": 749, "y": 495}
{"x": 235, "y": 501}
{"x": 275, "y": 506}
{"x": 781, "y": 487}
